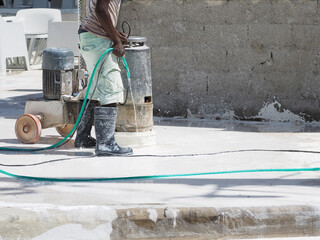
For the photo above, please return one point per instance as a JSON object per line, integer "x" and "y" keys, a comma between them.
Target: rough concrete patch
{"x": 172, "y": 214}
{"x": 271, "y": 111}
{"x": 153, "y": 215}
{"x": 172, "y": 223}
{"x": 275, "y": 112}
{"x": 212, "y": 223}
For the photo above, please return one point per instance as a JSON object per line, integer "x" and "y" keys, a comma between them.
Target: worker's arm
{"x": 102, "y": 11}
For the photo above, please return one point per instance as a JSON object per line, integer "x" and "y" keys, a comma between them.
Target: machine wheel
{"x": 64, "y": 130}
{"x": 28, "y": 128}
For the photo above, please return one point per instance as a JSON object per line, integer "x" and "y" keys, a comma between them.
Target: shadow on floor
{"x": 13, "y": 107}
{"x": 19, "y": 187}
{"x": 23, "y": 187}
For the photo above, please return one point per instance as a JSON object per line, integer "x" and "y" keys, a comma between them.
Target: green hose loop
{"x": 80, "y": 114}
{"x": 45, "y": 179}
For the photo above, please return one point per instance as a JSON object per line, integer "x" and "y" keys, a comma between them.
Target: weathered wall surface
{"x": 232, "y": 58}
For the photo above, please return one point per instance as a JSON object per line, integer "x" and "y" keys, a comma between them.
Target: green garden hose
{"x": 45, "y": 179}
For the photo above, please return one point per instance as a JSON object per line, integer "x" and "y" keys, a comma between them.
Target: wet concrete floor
{"x": 216, "y": 145}
{"x": 184, "y": 147}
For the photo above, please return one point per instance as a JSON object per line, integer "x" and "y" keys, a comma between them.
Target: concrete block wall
{"x": 232, "y": 58}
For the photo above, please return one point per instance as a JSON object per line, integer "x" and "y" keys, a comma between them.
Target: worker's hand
{"x": 118, "y": 49}
{"x": 124, "y": 38}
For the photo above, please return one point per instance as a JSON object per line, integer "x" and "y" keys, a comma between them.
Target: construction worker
{"x": 96, "y": 34}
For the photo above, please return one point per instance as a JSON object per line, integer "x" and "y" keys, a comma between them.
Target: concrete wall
{"x": 246, "y": 59}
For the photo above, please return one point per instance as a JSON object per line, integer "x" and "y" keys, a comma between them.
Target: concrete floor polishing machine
{"x": 62, "y": 82}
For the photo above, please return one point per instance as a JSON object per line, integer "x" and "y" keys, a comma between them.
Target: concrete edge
{"x": 158, "y": 222}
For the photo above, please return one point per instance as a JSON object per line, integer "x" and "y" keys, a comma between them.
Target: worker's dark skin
{"x": 102, "y": 11}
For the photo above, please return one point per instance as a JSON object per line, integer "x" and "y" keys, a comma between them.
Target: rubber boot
{"x": 105, "y": 125}
{"x": 83, "y": 138}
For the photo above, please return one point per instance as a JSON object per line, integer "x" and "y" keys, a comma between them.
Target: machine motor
{"x": 58, "y": 75}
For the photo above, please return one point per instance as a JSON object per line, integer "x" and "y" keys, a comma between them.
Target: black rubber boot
{"x": 83, "y": 138}
{"x": 105, "y": 125}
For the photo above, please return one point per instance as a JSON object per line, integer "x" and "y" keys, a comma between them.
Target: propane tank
{"x": 137, "y": 112}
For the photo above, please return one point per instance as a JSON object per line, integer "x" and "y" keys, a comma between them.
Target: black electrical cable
{"x": 122, "y": 26}
{"x": 167, "y": 156}
{"x": 225, "y": 152}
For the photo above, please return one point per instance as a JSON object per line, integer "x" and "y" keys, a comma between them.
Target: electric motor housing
{"x": 57, "y": 73}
